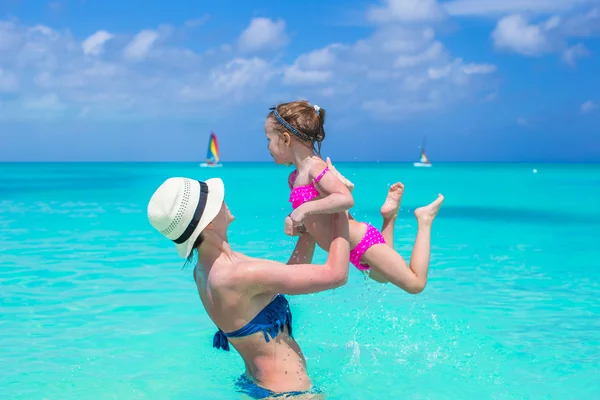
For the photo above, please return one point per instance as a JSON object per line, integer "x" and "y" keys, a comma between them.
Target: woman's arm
{"x": 304, "y": 250}
{"x": 270, "y": 276}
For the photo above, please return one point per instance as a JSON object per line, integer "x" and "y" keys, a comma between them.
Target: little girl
{"x": 293, "y": 131}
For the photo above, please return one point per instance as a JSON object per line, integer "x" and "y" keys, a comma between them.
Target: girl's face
{"x": 279, "y": 143}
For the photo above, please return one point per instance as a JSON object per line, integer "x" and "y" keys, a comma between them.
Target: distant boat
{"x": 212, "y": 153}
{"x": 423, "y": 161}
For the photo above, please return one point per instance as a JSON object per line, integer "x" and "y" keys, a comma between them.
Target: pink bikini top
{"x": 304, "y": 193}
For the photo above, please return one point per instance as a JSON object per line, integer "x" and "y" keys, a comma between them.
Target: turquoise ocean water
{"x": 96, "y": 305}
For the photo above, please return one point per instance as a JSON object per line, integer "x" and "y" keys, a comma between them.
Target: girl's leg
{"x": 389, "y": 212}
{"x": 387, "y": 263}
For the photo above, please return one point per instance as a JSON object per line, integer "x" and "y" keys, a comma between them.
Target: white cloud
{"x": 471, "y": 69}
{"x": 588, "y": 106}
{"x": 571, "y": 54}
{"x": 239, "y": 74}
{"x": 44, "y": 31}
{"x": 516, "y": 34}
{"x": 140, "y": 45}
{"x": 321, "y": 58}
{"x": 504, "y": 7}
{"x": 263, "y": 33}
{"x": 296, "y": 76}
{"x": 552, "y": 35}
{"x": 312, "y": 68}
{"x": 584, "y": 24}
{"x": 94, "y": 44}
{"x": 406, "y": 11}
{"x": 229, "y": 83}
{"x": 50, "y": 70}
{"x": 397, "y": 70}
{"x": 432, "y": 53}
{"x": 397, "y": 109}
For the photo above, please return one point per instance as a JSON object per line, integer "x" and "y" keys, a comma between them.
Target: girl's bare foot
{"x": 390, "y": 207}
{"x": 428, "y": 212}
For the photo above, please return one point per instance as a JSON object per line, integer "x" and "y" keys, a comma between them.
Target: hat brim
{"x": 214, "y": 202}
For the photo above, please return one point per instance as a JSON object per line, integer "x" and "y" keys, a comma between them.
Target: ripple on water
{"x": 95, "y": 301}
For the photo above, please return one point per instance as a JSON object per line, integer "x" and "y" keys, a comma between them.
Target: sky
{"x": 473, "y": 80}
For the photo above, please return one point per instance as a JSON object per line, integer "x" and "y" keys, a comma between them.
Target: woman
{"x": 242, "y": 295}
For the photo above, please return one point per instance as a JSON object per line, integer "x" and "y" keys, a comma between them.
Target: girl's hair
{"x": 197, "y": 244}
{"x": 302, "y": 120}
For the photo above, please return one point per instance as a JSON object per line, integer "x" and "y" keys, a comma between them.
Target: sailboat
{"x": 212, "y": 153}
{"x": 423, "y": 161}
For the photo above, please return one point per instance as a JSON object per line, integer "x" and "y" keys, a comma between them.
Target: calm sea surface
{"x": 95, "y": 304}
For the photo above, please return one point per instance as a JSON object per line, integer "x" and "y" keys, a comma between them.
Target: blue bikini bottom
{"x": 249, "y": 387}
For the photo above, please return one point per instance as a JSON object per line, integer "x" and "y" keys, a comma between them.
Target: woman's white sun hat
{"x": 181, "y": 208}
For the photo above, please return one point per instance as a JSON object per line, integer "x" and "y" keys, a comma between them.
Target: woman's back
{"x": 258, "y": 326}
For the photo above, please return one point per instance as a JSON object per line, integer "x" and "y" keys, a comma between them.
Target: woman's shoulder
{"x": 240, "y": 272}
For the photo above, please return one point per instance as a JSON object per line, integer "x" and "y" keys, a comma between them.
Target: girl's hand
{"x": 294, "y": 223}
{"x": 295, "y": 230}
{"x": 341, "y": 177}
{"x": 299, "y": 230}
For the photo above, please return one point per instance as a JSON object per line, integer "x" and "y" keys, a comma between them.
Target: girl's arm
{"x": 337, "y": 196}
{"x": 341, "y": 177}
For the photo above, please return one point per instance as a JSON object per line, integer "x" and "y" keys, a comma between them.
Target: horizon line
{"x": 336, "y": 162}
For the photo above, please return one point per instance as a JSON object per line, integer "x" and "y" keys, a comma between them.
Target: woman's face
{"x": 223, "y": 218}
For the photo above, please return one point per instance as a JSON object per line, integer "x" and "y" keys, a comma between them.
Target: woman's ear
{"x": 286, "y": 139}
